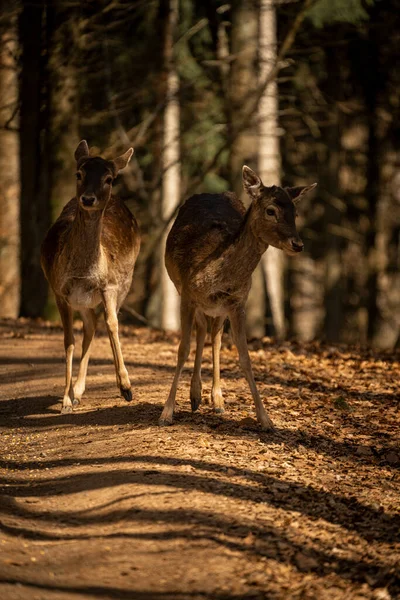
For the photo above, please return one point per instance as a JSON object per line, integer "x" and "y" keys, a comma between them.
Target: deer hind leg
{"x": 110, "y": 309}
{"x": 216, "y": 337}
{"x": 238, "y": 323}
{"x": 187, "y": 316}
{"x": 195, "y": 384}
{"x": 69, "y": 345}
{"x": 89, "y": 328}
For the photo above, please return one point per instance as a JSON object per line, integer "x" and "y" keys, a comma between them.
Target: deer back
{"x": 205, "y": 226}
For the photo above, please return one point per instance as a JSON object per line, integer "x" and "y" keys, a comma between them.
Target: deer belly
{"x": 219, "y": 303}
{"x": 214, "y": 311}
{"x": 84, "y": 297}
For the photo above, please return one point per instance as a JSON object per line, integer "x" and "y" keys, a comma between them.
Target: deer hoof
{"x": 76, "y": 401}
{"x": 195, "y": 403}
{"x": 127, "y": 394}
{"x": 66, "y": 409}
{"x": 219, "y": 410}
{"x": 165, "y": 422}
{"x": 267, "y": 425}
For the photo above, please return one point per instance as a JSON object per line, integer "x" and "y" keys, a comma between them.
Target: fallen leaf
{"x": 305, "y": 563}
{"x": 364, "y": 451}
{"x": 392, "y": 458}
{"x": 248, "y": 422}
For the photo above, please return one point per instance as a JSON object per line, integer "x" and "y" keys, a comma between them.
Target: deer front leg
{"x": 195, "y": 384}
{"x": 110, "y": 308}
{"x": 187, "y": 315}
{"x": 216, "y": 336}
{"x": 89, "y": 328}
{"x": 69, "y": 344}
{"x": 238, "y": 323}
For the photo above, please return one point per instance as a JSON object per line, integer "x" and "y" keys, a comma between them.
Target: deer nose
{"x": 297, "y": 244}
{"x": 88, "y": 200}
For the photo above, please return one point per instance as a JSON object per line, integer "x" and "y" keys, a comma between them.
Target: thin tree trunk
{"x": 170, "y": 166}
{"x": 35, "y": 205}
{"x": 9, "y": 167}
{"x": 244, "y": 147}
{"x": 269, "y": 164}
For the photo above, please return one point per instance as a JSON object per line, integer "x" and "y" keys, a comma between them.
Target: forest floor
{"x": 102, "y": 503}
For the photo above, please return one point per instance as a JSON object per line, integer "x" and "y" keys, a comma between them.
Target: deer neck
{"x": 86, "y": 237}
{"x": 247, "y": 248}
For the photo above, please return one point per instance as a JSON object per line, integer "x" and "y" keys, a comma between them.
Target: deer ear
{"x": 251, "y": 181}
{"x": 82, "y": 151}
{"x": 296, "y": 193}
{"x": 121, "y": 161}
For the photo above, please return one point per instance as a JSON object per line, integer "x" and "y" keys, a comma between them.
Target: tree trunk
{"x": 373, "y": 191}
{"x": 63, "y": 108}
{"x": 334, "y": 291}
{"x": 9, "y": 167}
{"x": 269, "y": 165}
{"x": 307, "y": 298}
{"x": 35, "y": 205}
{"x": 63, "y": 130}
{"x": 244, "y": 145}
{"x": 170, "y": 165}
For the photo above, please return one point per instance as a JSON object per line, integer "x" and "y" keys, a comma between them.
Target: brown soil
{"x": 103, "y": 503}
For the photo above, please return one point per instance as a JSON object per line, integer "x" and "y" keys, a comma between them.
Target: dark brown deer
{"x": 212, "y": 250}
{"x": 88, "y": 257}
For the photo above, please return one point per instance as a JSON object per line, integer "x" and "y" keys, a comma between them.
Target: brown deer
{"x": 88, "y": 257}
{"x": 212, "y": 250}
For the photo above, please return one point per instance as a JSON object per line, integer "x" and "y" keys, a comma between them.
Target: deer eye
{"x": 109, "y": 180}
{"x": 79, "y": 176}
{"x": 270, "y": 212}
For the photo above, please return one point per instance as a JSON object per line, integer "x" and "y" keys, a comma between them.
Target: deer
{"x": 88, "y": 257}
{"x": 211, "y": 252}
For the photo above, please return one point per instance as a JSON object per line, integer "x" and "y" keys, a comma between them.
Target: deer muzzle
{"x": 88, "y": 201}
{"x": 296, "y": 244}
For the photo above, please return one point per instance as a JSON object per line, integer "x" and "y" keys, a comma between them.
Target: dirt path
{"x": 104, "y": 504}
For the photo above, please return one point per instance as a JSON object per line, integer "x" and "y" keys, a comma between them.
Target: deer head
{"x": 95, "y": 176}
{"x": 273, "y": 212}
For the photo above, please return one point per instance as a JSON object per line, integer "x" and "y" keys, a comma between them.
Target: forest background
{"x": 301, "y": 91}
